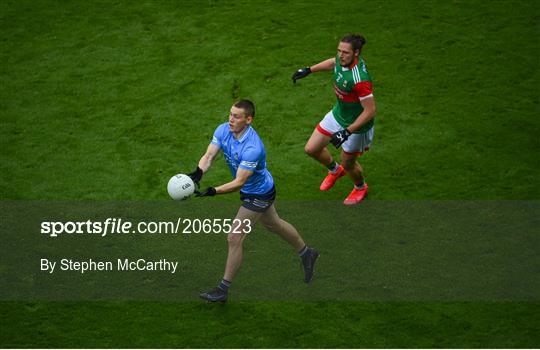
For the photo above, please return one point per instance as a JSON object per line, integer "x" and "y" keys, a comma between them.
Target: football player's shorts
{"x": 258, "y": 202}
{"x": 355, "y": 144}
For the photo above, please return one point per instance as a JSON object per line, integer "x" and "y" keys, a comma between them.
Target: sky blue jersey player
{"x": 245, "y": 155}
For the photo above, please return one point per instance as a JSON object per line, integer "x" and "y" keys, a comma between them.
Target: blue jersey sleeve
{"x": 251, "y": 158}
{"x": 217, "y": 139}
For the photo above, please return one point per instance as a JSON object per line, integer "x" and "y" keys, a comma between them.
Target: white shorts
{"x": 355, "y": 144}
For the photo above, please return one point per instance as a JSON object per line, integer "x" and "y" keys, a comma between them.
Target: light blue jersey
{"x": 247, "y": 153}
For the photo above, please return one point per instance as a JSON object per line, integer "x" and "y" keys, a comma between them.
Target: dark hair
{"x": 356, "y": 40}
{"x": 247, "y": 106}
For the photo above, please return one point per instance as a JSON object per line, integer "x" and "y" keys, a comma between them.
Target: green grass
{"x": 271, "y": 324}
{"x": 118, "y": 100}
{"x": 106, "y": 100}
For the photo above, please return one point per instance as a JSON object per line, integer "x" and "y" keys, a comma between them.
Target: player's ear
{"x": 249, "y": 119}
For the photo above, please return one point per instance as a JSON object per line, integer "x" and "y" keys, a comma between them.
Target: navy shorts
{"x": 258, "y": 202}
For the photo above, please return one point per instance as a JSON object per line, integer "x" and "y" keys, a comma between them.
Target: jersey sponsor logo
{"x": 345, "y": 96}
{"x": 340, "y": 94}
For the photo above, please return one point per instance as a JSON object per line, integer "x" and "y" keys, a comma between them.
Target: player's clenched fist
{"x": 301, "y": 73}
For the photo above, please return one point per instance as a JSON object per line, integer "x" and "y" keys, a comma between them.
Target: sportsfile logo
{"x": 102, "y": 228}
{"x": 119, "y": 226}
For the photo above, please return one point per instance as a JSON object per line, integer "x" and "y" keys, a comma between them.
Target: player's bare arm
{"x": 242, "y": 175}
{"x": 206, "y": 160}
{"x": 204, "y": 163}
{"x": 324, "y": 65}
{"x": 321, "y": 66}
{"x": 366, "y": 115}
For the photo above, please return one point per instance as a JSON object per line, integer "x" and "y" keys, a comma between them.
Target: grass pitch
{"x": 106, "y": 100}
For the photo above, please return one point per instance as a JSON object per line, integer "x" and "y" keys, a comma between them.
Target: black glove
{"x": 301, "y": 73}
{"x": 196, "y": 176}
{"x": 210, "y": 191}
{"x": 339, "y": 137}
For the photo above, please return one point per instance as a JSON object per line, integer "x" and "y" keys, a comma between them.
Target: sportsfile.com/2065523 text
{"x": 120, "y": 226}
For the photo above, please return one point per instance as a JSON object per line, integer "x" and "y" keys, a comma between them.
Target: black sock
{"x": 359, "y": 185}
{"x": 224, "y": 285}
{"x": 332, "y": 166}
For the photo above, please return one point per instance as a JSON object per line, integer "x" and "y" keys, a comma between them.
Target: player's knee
{"x": 235, "y": 239}
{"x": 310, "y": 150}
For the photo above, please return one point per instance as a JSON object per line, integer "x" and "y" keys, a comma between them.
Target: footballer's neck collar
{"x": 351, "y": 66}
{"x": 240, "y": 137}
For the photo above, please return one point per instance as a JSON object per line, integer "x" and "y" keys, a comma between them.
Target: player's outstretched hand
{"x": 339, "y": 137}
{"x": 210, "y": 191}
{"x": 301, "y": 73}
{"x": 196, "y": 176}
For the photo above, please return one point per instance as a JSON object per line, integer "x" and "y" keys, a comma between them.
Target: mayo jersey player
{"x": 352, "y": 84}
{"x": 350, "y": 123}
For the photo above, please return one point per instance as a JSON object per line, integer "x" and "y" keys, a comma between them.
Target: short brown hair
{"x": 247, "y": 106}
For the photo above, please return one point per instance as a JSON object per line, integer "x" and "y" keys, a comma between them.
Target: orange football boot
{"x": 331, "y": 178}
{"x": 357, "y": 195}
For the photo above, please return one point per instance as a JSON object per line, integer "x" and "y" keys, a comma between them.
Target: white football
{"x": 180, "y": 187}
